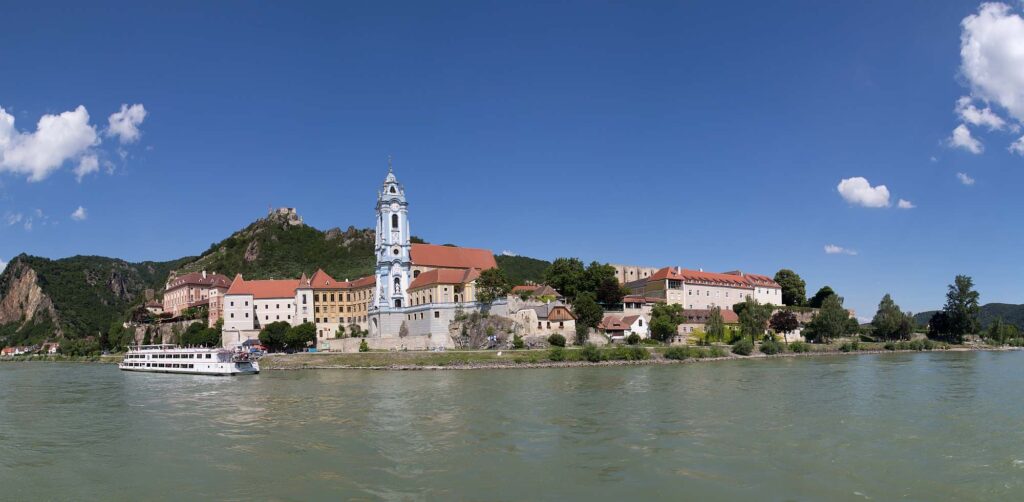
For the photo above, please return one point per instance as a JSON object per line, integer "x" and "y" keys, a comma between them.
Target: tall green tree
{"x": 566, "y": 275}
{"x": 298, "y": 337}
{"x": 272, "y": 335}
{"x": 600, "y": 279}
{"x": 784, "y": 322}
{"x": 962, "y": 308}
{"x": 665, "y": 321}
{"x": 794, "y": 289}
{"x": 831, "y": 321}
{"x": 890, "y": 322}
{"x": 715, "y": 327}
{"x": 492, "y": 285}
{"x": 588, "y": 314}
{"x": 754, "y": 318}
{"x": 818, "y": 300}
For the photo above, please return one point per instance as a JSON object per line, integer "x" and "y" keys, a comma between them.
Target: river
{"x": 924, "y": 426}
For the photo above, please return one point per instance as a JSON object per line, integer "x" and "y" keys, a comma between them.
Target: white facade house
{"x": 700, "y": 290}
{"x": 251, "y": 305}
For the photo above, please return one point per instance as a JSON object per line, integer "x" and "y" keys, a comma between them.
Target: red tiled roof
{"x": 321, "y": 280}
{"x": 616, "y": 323}
{"x": 699, "y": 277}
{"x": 641, "y": 299}
{"x": 430, "y": 255}
{"x": 271, "y": 288}
{"x": 694, "y": 316}
{"x": 756, "y": 279}
{"x": 362, "y": 282}
{"x": 196, "y": 278}
{"x": 526, "y": 287}
{"x": 444, "y": 276}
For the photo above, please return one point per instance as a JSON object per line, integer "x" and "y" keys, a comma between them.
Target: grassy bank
{"x": 570, "y": 356}
{"x": 57, "y": 358}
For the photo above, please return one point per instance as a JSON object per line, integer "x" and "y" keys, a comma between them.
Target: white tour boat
{"x": 195, "y": 360}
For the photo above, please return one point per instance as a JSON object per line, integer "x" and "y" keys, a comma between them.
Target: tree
{"x": 272, "y": 335}
{"x": 300, "y": 336}
{"x": 961, "y": 309}
{"x": 890, "y": 322}
{"x": 588, "y": 314}
{"x": 198, "y": 335}
{"x": 340, "y": 332}
{"x": 793, "y": 287}
{"x": 754, "y": 318}
{"x": 665, "y": 321}
{"x": 784, "y": 322}
{"x": 715, "y": 327}
{"x": 999, "y": 332}
{"x": 832, "y": 321}
{"x": 600, "y": 279}
{"x": 491, "y": 285}
{"x": 566, "y": 276}
{"x": 818, "y": 300}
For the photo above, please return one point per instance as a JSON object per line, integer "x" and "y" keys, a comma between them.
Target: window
{"x": 538, "y": 325}
{"x": 394, "y": 217}
{"x": 392, "y": 189}
{"x": 278, "y": 306}
{"x": 549, "y": 324}
{"x": 232, "y": 304}
{"x": 437, "y": 314}
{"x": 247, "y": 303}
{"x": 246, "y": 315}
{"x": 561, "y": 324}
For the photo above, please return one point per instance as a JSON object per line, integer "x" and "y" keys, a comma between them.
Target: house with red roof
{"x": 700, "y": 290}
{"x": 619, "y": 327}
{"x": 249, "y": 305}
{"x": 340, "y": 304}
{"x": 192, "y": 290}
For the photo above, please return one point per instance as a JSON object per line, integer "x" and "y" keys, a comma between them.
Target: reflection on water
{"x": 918, "y": 426}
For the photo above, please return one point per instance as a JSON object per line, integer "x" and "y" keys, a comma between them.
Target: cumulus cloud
{"x": 125, "y": 124}
{"x": 962, "y": 138}
{"x": 905, "y": 204}
{"x": 965, "y": 179}
{"x": 79, "y": 214}
{"x": 87, "y": 165}
{"x": 991, "y": 57}
{"x": 833, "y": 249}
{"x": 858, "y": 190}
{"x": 12, "y": 218}
{"x": 1017, "y": 146}
{"x": 975, "y": 116}
{"x": 3, "y": 264}
{"x": 56, "y": 140}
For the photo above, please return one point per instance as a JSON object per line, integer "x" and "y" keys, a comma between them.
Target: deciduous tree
{"x": 784, "y": 322}
{"x": 794, "y": 290}
{"x": 818, "y": 300}
{"x": 491, "y": 285}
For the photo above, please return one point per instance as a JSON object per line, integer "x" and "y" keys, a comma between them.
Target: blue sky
{"x": 704, "y": 135}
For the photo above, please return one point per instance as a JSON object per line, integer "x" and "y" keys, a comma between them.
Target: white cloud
{"x": 87, "y": 165}
{"x": 965, "y": 179}
{"x": 79, "y": 214}
{"x": 962, "y": 138}
{"x": 858, "y": 190}
{"x": 905, "y": 204}
{"x": 28, "y": 225}
{"x": 508, "y": 253}
{"x": 833, "y": 249}
{"x": 12, "y": 218}
{"x": 3, "y": 264}
{"x": 125, "y": 123}
{"x": 991, "y": 56}
{"x": 978, "y": 117}
{"x": 1017, "y": 146}
{"x": 57, "y": 139}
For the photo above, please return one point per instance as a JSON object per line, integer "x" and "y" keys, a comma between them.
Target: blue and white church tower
{"x": 392, "y": 247}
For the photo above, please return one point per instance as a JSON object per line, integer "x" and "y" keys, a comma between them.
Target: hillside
{"x": 522, "y": 269}
{"x": 281, "y": 246}
{"x": 72, "y": 297}
{"x": 1009, "y": 313}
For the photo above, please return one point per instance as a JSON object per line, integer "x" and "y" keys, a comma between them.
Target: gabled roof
{"x": 545, "y": 311}
{"x": 323, "y": 280}
{"x": 641, "y": 299}
{"x": 197, "y": 279}
{"x": 271, "y": 288}
{"x": 700, "y": 277}
{"x": 701, "y": 316}
{"x": 756, "y": 279}
{"x": 430, "y": 255}
{"x": 444, "y": 276}
{"x": 615, "y": 323}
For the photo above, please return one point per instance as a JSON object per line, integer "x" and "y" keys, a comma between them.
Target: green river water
{"x": 925, "y": 426}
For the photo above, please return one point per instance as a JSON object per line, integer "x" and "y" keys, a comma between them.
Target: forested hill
{"x": 1009, "y": 313}
{"x": 80, "y": 296}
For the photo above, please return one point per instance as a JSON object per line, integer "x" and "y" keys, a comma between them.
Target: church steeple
{"x": 393, "y": 249}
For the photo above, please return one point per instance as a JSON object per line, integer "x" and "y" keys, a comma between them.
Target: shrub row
{"x": 918, "y": 345}
{"x": 594, "y": 354}
{"x": 681, "y": 353}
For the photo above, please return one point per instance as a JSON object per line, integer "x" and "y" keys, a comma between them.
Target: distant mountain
{"x": 1009, "y": 313}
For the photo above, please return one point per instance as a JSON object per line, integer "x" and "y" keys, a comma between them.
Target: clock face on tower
{"x": 394, "y": 206}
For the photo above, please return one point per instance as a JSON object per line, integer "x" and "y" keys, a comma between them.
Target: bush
{"x": 743, "y": 347}
{"x": 629, "y": 354}
{"x": 556, "y": 340}
{"x": 799, "y": 347}
{"x": 650, "y": 341}
{"x": 681, "y": 353}
{"x": 363, "y": 346}
{"x": 633, "y": 339}
{"x": 717, "y": 352}
{"x": 890, "y": 346}
{"x": 772, "y": 347}
{"x": 591, "y": 353}
{"x": 517, "y": 342}
{"x": 556, "y": 354}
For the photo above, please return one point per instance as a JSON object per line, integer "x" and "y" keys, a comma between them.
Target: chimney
{"x": 204, "y": 274}
{"x": 700, "y": 269}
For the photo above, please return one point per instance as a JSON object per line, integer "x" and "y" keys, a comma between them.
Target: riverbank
{"x": 541, "y": 358}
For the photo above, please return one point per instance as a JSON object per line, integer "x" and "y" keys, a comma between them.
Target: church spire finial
{"x": 389, "y": 164}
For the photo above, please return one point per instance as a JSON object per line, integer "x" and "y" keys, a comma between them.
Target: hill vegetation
{"x": 522, "y": 269}
{"x": 1009, "y": 313}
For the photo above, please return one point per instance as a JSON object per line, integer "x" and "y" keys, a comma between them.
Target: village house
{"x": 249, "y": 305}
{"x": 696, "y": 319}
{"x": 192, "y": 290}
{"x": 338, "y": 305}
{"x": 618, "y": 328}
{"x": 546, "y": 320}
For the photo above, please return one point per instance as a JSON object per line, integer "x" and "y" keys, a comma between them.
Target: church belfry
{"x": 392, "y": 247}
